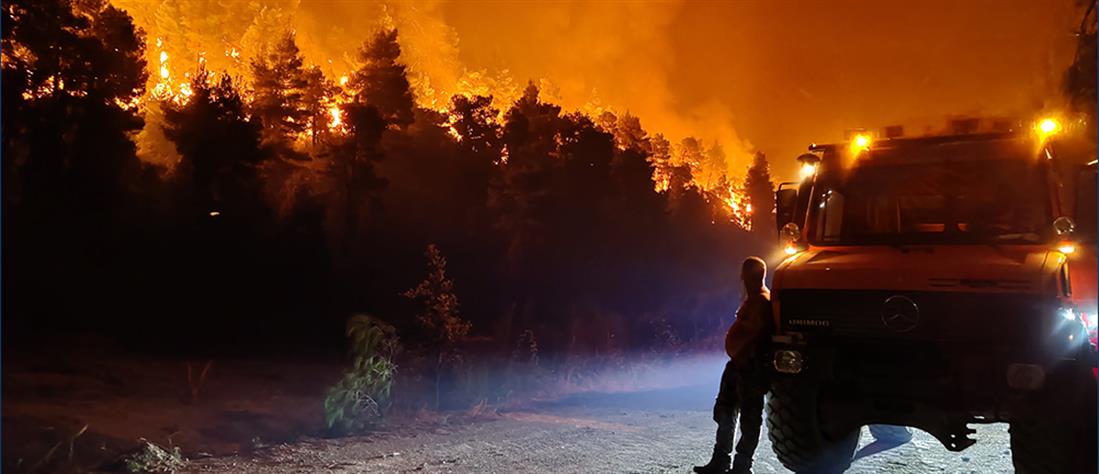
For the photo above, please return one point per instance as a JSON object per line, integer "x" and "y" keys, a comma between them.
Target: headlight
{"x": 788, "y": 362}
{"x": 1067, "y": 313}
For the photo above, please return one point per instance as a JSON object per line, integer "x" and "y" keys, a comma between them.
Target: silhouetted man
{"x": 743, "y": 383}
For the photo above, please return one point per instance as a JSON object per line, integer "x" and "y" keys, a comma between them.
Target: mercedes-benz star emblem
{"x": 900, "y": 313}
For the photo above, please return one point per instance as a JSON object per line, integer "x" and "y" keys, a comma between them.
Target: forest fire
{"x": 252, "y": 42}
{"x": 436, "y": 227}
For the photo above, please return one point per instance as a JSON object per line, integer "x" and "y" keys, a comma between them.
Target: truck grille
{"x": 942, "y": 316}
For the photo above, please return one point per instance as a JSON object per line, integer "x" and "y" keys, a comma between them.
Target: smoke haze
{"x": 767, "y": 76}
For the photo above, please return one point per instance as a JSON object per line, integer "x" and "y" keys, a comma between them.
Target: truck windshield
{"x": 913, "y": 201}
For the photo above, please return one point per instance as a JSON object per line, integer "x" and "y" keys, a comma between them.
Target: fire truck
{"x": 938, "y": 282}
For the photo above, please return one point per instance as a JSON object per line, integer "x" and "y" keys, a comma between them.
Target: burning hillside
{"x": 239, "y": 38}
{"x": 272, "y": 173}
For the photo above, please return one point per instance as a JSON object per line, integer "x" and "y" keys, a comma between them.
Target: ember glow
{"x": 245, "y": 35}
{"x": 739, "y": 208}
{"x": 620, "y": 58}
{"x": 166, "y": 88}
{"x": 334, "y": 122}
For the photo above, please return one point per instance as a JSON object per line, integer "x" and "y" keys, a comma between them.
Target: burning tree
{"x": 382, "y": 81}
{"x": 284, "y": 99}
{"x": 761, "y": 195}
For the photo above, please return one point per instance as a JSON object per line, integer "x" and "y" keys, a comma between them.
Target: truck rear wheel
{"x": 793, "y": 425}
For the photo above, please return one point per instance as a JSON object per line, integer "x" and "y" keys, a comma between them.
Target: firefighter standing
{"x": 743, "y": 383}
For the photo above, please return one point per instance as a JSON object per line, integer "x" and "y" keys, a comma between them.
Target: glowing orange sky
{"x": 772, "y": 76}
{"x": 791, "y": 73}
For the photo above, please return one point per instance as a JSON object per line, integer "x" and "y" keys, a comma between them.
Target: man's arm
{"x": 750, "y": 324}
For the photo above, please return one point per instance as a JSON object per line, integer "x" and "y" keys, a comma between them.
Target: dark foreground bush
{"x": 361, "y": 398}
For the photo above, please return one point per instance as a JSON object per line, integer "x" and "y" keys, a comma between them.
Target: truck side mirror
{"x": 1064, "y": 226}
{"x": 786, "y": 201}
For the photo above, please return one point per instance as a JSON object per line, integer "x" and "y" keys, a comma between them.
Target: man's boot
{"x": 719, "y": 463}
{"x": 741, "y": 466}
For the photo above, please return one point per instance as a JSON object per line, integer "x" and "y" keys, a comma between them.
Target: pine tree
{"x": 761, "y": 195}
{"x": 350, "y": 164}
{"x": 382, "y": 80}
{"x": 317, "y": 91}
{"x": 475, "y": 125}
{"x": 221, "y": 148}
{"x": 281, "y": 84}
{"x": 714, "y": 168}
{"x": 531, "y": 132}
{"x": 71, "y": 73}
{"x": 660, "y": 157}
{"x": 692, "y": 155}
{"x": 480, "y": 144}
{"x": 629, "y": 135}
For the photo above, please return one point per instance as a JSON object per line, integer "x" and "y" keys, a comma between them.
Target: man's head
{"x": 752, "y": 272}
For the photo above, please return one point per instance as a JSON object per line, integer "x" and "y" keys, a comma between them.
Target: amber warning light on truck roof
{"x": 859, "y": 143}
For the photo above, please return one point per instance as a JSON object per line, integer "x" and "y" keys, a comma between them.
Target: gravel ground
{"x": 654, "y": 431}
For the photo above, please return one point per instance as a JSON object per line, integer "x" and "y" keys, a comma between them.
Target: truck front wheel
{"x": 793, "y": 425}
{"x": 1051, "y": 440}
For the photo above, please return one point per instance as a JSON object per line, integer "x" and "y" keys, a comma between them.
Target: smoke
{"x": 793, "y": 73}
{"x": 591, "y": 57}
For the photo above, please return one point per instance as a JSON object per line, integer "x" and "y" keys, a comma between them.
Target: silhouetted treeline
{"x": 297, "y": 201}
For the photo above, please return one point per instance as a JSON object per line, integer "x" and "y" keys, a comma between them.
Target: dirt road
{"x": 653, "y": 431}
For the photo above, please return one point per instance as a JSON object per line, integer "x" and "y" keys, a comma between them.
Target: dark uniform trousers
{"x": 742, "y": 389}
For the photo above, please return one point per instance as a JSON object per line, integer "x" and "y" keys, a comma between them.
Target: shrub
{"x": 439, "y": 317}
{"x": 361, "y": 398}
{"x": 153, "y": 458}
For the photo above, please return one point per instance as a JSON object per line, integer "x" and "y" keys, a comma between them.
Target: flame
{"x": 452, "y": 120}
{"x": 185, "y": 91}
{"x": 166, "y": 88}
{"x": 661, "y": 181}
{"x": 335, "y": 120}
{"x": 168, "y": 58}
{"x": 164, "y": 73}
{"x": 740, "y": 209}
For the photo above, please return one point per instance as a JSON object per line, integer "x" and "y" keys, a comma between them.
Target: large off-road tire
{"x": 794, "y": 429}
{"x": 1053, "y": 440}
{"x": 891, "y": 434}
